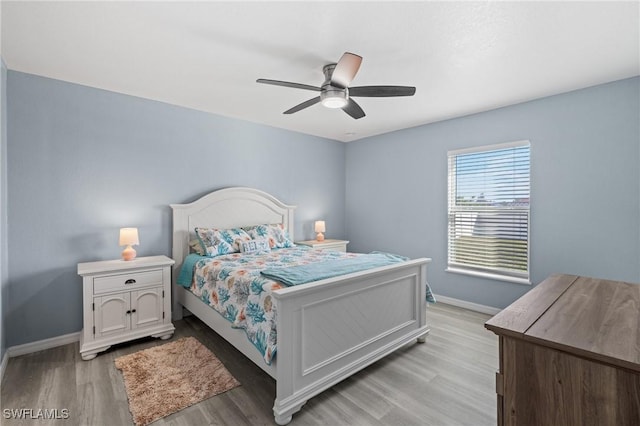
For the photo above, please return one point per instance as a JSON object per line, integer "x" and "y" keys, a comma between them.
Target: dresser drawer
{"x": 126, "y": 281}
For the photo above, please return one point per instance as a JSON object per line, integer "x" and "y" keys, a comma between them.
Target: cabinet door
{"x": 146, "y": 307}
{"x": 111, "y": 314}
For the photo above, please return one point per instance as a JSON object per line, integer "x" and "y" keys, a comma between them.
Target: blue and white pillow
{"x": 216, "y": 242}
{"x": 277, "y": 236}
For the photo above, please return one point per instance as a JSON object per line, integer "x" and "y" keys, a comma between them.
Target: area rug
{"x": 168, "y": 378}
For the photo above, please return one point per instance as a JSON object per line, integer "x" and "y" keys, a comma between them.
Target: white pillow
{"x": 259, "y": 245}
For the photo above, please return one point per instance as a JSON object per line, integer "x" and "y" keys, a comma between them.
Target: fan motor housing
{"x": 332, "y": 96}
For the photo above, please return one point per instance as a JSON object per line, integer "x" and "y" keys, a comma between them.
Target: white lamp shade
{"x": 129, "y": 237}
{"x": 319, "y": 226}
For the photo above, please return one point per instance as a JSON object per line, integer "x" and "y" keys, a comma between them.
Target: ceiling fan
{"x": 335, "y": 91}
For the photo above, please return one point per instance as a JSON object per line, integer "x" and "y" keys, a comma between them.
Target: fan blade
{"x": 353, "y": 109}
{"x": 303, "y": 105}
{"x": 288, "y": 84}
{"x": 382, "y": 91}
{"x": 345, "y": 70}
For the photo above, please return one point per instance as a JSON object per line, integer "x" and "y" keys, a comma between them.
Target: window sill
{"x": 488, "y": 275}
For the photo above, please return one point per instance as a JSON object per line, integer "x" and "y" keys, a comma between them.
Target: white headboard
{"x": 226, "y": 208}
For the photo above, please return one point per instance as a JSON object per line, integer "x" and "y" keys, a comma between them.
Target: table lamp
{"x": 320, "y": 228}
{"x": 129, "y": 237}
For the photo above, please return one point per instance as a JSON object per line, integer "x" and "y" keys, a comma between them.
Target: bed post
{"x": 180, "y": 249}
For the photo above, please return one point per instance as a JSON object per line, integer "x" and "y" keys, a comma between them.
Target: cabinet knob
{"x": 130, "y": 281}
{"x": 128, "y": 312}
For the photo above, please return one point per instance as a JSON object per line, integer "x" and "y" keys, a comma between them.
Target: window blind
{"x": 489, "y": 210}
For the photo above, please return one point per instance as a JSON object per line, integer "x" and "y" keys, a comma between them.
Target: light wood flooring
{"x": 449, "y": 380}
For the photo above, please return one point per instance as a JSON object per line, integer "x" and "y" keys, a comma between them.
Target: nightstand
{"x": 337, "y": 245}
{"x": 124, "y": 300}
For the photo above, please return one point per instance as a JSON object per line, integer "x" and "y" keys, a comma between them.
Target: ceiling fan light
{"x": 334, "y": 102}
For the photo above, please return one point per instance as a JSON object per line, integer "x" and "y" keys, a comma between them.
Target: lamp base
{"x": 320, "y": 236}
{"x": 129, "y": 253}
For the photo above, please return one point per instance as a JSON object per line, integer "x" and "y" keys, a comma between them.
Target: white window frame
{"x": 454, "y": 211}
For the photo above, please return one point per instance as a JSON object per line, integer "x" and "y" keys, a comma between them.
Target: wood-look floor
{"x": 449, "y": 380}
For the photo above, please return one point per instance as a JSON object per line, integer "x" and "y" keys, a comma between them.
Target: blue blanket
{"x": 296, "y": 275}
{"x": 186, "y": 273}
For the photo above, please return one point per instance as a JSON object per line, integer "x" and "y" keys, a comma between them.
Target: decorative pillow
{"x": 196, "y": 247}
{"x": 276, "y": 234}
{"x": 259, "y": 245}
{"x": 216, "y": 242}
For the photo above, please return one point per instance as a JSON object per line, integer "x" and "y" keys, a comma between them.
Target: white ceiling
{"x": 463, "y": 57}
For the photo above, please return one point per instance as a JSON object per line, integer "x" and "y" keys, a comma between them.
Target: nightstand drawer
{"x": 126, "y": 281}
{"x": 328, "y": 244}
{"x": 335, "y": 247}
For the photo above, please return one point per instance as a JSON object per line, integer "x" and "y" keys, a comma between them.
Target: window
{"x": 489, "y": 211}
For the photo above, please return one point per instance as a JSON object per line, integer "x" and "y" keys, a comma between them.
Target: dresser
{"x": 337, "y": 245}
{"x": 124, "y": 300}
{"x": 570, "y": 354}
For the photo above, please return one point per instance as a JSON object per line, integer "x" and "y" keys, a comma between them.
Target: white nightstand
{"x": 124, "y": 301}
{"x": 337, "y": 245}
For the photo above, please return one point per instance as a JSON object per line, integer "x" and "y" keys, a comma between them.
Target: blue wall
{"x": 84, "y": 162}
{"x": 4, "y": 280}
{"x": 585, "y": 188}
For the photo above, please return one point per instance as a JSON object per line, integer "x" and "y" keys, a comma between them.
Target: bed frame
{"x": 327, "y": 330}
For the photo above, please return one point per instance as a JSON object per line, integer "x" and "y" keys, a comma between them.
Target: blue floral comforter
{"x": 232, "y": 285}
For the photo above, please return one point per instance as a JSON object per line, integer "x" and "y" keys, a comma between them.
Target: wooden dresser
{"x": 570, "y": 354}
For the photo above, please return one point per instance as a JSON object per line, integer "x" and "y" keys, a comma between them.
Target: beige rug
{"x": 168, "y": 378}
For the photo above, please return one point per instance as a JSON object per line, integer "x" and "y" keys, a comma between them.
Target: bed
{"x": 314, "y": 351}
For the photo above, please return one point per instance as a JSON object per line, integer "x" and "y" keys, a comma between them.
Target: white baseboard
{"x": 41, "y": 345}
{"x": 3, "y": 365}
{"x": 490, "y": 310}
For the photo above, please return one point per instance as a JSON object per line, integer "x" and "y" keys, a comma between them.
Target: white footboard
{"x": 333, "y": 328}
